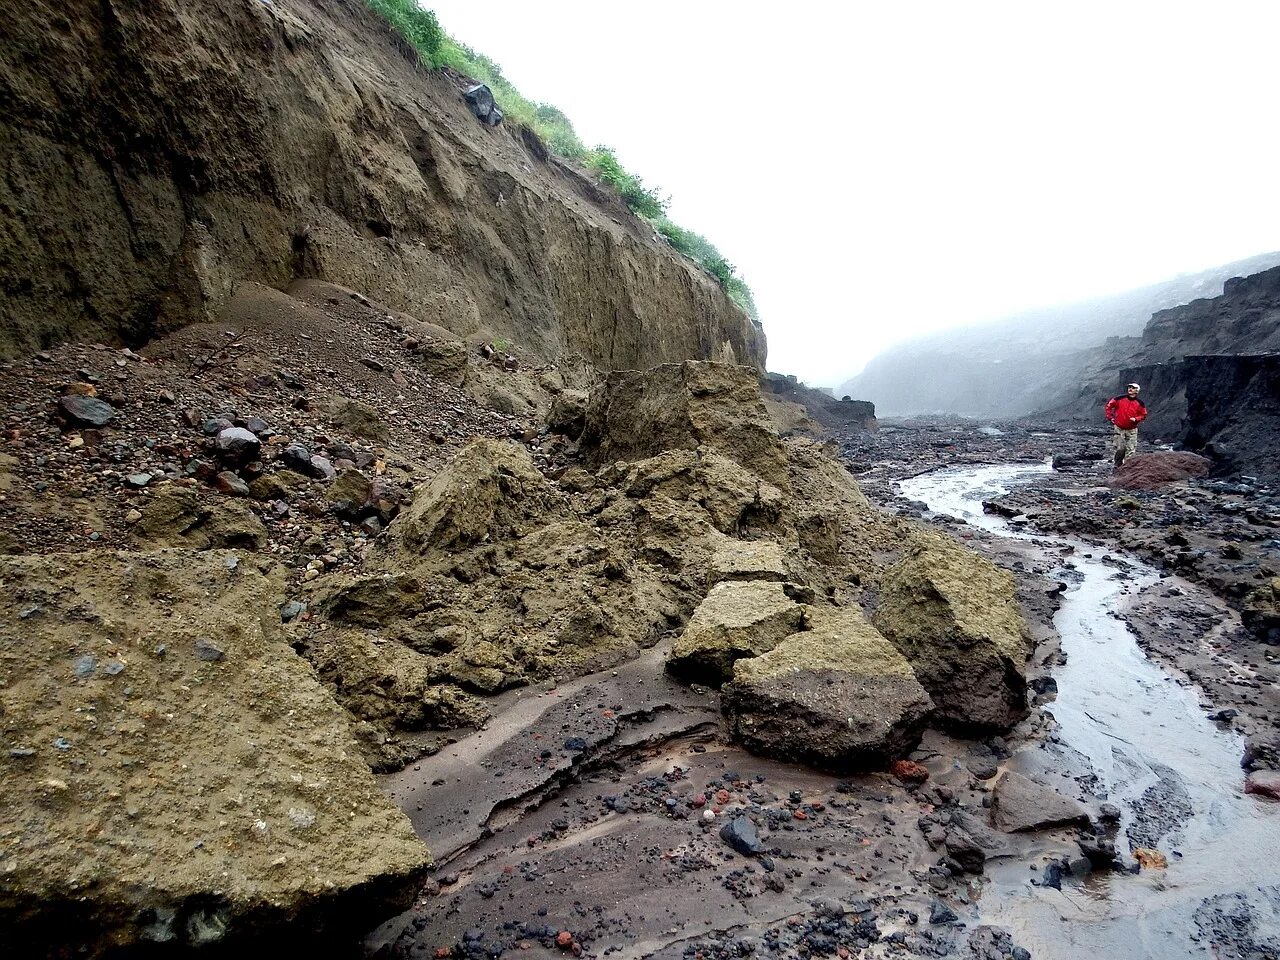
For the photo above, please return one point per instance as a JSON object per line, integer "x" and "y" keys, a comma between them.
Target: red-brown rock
{"x": 908, "y": 771}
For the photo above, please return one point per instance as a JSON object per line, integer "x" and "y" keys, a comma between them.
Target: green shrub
{"x": 642, "y": 200}
{"x": 740, "y": 294}
{"x": 416, "y": 25}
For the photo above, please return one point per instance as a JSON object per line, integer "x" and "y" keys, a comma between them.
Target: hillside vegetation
{"x": 420, "y": 28}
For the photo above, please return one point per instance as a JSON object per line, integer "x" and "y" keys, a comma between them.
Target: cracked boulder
{"x": 390, "y": 688}
{"x": 838, "y": 696}
{"x": 733, "y": 499}
{"x": 954, "y": 616}
{"x": 175, "y": 774}
{"x": 633, "y": 415}
{"x": 747, "y": 560}
{"x": 174, "y": 516}
{"x": 736, "y": 620}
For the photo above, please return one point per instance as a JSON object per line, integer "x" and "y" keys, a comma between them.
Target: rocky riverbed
{"x": 641, "y": 685}
{"x": 1219, "y": 534}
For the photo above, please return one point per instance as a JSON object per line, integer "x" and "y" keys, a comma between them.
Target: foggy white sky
{"x": 879, "y": 170}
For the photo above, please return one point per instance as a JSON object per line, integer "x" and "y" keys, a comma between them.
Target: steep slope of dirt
{"x": 158, "y": 154}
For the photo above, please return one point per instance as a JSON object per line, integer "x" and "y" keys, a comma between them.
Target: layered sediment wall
{"x": 159, "y": 153}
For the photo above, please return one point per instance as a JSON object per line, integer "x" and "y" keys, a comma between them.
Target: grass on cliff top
{"x": 436, "y": 48}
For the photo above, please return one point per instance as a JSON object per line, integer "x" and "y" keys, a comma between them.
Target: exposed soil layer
{"x": 159, "y": 154}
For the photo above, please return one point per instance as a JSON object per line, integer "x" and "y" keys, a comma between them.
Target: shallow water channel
{"x": 1147, "y": 739}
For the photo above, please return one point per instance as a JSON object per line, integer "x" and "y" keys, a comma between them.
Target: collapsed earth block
{"x": 684, "y": 406}
{"x": 736, "y": 620}
{"x": 953, "y": 615}
{"x": 838, "y": 696}
{"x": 174, "y": 773}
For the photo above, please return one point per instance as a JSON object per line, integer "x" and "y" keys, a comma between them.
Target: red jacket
{"x": 1125, "y": 412}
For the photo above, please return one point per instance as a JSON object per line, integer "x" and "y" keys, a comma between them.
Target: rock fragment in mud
{"x": 838, "y": 696}
{"x": 87, "y": 411}
{"x": 242, "y": 718}
{"x": 1150, "y": 859}
{"x": 955, "y": 618}
{"x": 1264, "y": 783}
{"x": 740, "y": 833}
{"x": 736, "y": 620}
{"x": 1019, "y": 804}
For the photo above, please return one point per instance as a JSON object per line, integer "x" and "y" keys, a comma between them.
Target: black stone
{"x": 483, "y": 106}
{"x": 87, "y": 410}
{"x": 237, "y": 445}
{"x": 941, "y": 913}
{"x": 740, "y": 833}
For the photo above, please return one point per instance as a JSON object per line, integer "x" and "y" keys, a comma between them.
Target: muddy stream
{"x": 1141, "y": 739}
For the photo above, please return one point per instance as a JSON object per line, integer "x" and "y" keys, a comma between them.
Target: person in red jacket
{"x": 1125, "y": 412}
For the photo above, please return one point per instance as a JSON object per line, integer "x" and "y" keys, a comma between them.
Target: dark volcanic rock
{"x": 87, "y": 411}
{"x": 480, "y": 99}
{"x": 237, "y": 445}
{"x": 740, "y": 833}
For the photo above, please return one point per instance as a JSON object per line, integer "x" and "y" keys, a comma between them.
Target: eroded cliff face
{"x": 1209, "y": 371}
{"x": 159, "y": 153}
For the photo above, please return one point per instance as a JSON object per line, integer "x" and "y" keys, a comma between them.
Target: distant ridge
{"x": 1034, "y": 360}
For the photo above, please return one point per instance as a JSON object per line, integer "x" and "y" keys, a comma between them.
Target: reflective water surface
{"x": 1173, "y": 772}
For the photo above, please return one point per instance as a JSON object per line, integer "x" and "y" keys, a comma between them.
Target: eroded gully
{"x": 1141, "y": 740}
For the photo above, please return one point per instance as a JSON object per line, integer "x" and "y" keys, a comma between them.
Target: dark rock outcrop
{"x": 1209, "y": 373}
{"x": 1062, "y": 359}
{"x": 842, "y": 414}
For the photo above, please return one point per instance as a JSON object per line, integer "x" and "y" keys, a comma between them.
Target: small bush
{"x": 416, "y": 25}
{"x": 644, "y": 201}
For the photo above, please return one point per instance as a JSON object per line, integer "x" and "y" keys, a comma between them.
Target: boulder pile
{"x": 835, "y": 631}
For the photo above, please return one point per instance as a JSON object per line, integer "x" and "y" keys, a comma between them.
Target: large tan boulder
{"x": 173, "y": 772}
{"x": 736, "y": 620}
{"x": 633, "y": 415}
{"x": 730, "y": 496}
{"x": 838, "y": 696}
{"x": 954, "y": 616}
{"x": 174, "y": 516}
{"x": 489, "y": 491}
